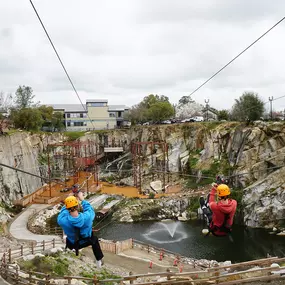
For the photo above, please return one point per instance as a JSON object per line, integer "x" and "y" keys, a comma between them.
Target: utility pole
{"x": 270, "y": 100}
{"x": 207, "y": 108}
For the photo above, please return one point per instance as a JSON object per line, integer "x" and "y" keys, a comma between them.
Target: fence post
{"x": 44, "y": 245}
{"x": 22, "y": 250}
{"x": 148, "y": 248}
{"x": 10, "y": 255}
{"x": 95, "y": 280}
{"x": 53, "y": 243}
{"x": 30, "y": 277}
{"x": 47, "y": 279}
{"x": 132, "y": 243}
{"x": 6, "y": 270}
{"x": 17, "y": 275}
{"x": 32, "y": 248}
{"x": 131, "y": 280}
{"x": 168, "y": 275}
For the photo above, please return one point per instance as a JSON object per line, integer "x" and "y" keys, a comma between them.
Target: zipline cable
{"x": 61, "y": 63}
{"x": 226, "y": 65}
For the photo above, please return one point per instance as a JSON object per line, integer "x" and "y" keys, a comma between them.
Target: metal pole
{"x": 270, "y": 100}
{"x": 207, "y": 107}
{"x": 49, "y": 174}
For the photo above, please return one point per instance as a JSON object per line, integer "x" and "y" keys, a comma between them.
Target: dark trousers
{"x": 93, "y": 241}
{"x": 206, "y": 209}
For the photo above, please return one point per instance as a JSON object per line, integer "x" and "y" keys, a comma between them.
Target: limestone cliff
{"x": 22, "y": 150}
{"x": 253, "y": 156}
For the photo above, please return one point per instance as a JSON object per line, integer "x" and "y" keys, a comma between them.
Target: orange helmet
{"x": 223, "y": 190}
{"x": 70, "y": 202}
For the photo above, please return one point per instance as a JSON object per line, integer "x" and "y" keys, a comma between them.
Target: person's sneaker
{"x": 205, "y": 231}
{"x": 202, "y": 201}
{"x": 99, "y": 263}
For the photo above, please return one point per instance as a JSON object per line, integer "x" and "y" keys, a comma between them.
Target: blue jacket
{"x": 84, "y": 221}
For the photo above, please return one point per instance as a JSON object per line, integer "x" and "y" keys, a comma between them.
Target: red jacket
{"x": 220, "y": 209}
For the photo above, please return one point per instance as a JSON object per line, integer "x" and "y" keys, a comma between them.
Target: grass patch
{"x": 193, "y": 161}
{"x": 108, "y": 200}
{"x": 211, "y": 125}
{"x": 146, "y": 212}
{"x": 100, "y": 275}
{"x": 12, "y": 131}
{"x": 43, "y": 159}
{"x": 237, "y": 194}
{"x": 48, "y": 265}
{"x": 193, "y": 204}
{"x": 72, "y": 136}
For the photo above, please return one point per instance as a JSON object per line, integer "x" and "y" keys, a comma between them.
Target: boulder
{"x": 156, "y": 186}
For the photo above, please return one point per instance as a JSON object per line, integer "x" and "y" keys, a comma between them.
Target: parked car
{"x": 188, "y": 120}
{"x": 166, "y": 122}
{"x": 198, "y": 119}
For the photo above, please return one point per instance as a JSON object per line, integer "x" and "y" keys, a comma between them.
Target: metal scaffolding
{"x": 67, "y": 159}
{"x": 159, "y": 161}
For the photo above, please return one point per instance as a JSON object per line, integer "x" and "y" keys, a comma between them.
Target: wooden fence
{"x": 30, "y": 198}
{"x": 216, "y": 275}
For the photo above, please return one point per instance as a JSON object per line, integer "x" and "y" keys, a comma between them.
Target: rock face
{"x": 252, "y": 156}
{"x": 22, "y": 150}
{"x": 153, "y": 209}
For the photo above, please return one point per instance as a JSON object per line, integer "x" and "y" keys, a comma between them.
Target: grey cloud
{"x": 240, "y": 11}
{"x": 133, "y": 48}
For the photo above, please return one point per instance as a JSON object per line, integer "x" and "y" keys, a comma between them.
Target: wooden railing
{"x": 214, "y": 275}
{"x": 150, "y": 248}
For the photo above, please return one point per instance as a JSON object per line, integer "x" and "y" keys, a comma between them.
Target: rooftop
{"x": 117, "y": 108}
{"x": 96, "y": 101}
{"x": 80, "y": 108}
{"x": 68, "y": 107}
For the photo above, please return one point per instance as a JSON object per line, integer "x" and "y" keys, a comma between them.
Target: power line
{"x": 61, "y": 63}
{"x": 221, "y": 69}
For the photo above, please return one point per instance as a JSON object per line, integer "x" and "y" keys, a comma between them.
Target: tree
{"x": 151, "y": 109}
{"x": 223, "y": 115}
{"x": 5, "y": 105}
{"x": 29, "y": 119}
{"x": 160, "y": 111}
{"x": 24, "y": 97}
{"x": 189, "y": 110}
{"x": 185, "y": 100}
{"x": 46, "y": 112}
{"x": 57, "y": 121}
{"x": 248, "y": 107}
{"x": 5, "y": 102}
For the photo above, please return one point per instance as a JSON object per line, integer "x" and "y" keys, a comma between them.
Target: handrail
{"x": 209, "y": 275}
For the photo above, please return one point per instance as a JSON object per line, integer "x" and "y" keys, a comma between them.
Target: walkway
{"x": 18, "y": 228}
{"x": 3, "y": 282}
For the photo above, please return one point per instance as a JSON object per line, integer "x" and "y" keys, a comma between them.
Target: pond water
{"x": 186, "y": 238}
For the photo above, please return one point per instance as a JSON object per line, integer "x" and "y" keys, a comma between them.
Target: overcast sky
{"x": 124, "y": 50}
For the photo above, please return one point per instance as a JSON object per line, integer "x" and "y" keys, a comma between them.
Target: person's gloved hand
{"x": 214, "y": 184}
{"x": 80, "y": 196}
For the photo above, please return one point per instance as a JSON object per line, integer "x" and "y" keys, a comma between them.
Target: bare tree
{"x": 5, "y": 105}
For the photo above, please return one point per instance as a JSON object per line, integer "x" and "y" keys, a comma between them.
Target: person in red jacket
{"x": 220, "y": 218}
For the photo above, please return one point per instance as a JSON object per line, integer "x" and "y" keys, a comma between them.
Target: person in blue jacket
{"x": 78, "y": 226}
